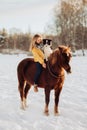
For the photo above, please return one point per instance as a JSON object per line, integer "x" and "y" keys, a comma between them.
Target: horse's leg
{"x": 57, "y": 94}
{"x": 27, "y": 87}
{"x": 21, "y": 91}
{"x": 47, "y": 99}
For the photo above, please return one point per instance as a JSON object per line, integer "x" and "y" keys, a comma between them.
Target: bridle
{"x": 52, "y": 73}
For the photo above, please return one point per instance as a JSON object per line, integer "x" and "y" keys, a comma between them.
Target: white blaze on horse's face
{"x": 68, "y": 53}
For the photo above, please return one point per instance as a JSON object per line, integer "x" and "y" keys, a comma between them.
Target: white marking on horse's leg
{"x": 24, "y": 84}
{"x": 22, "y": 105}
{"x": 56, "y": 113}
{"x": 25, "y": 102}
{"x": 46, "y": 111}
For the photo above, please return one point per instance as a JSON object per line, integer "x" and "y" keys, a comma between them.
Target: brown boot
{"x": 35, "y": 88}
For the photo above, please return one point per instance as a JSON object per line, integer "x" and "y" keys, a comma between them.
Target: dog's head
{"x": 47, "y": 42}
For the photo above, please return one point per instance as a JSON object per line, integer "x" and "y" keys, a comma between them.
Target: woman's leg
{"x": 38, "y": 72}
{"x": 37, "y": 75}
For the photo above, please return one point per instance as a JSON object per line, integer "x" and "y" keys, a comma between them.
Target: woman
{"x": 38, "y": 58}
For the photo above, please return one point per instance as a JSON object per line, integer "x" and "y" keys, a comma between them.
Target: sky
{"x": 26, "y": 15}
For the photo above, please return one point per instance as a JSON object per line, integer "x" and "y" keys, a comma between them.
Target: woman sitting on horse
{"x": 38, "y": 58}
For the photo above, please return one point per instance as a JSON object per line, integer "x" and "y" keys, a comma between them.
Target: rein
{"x": 52, "y": 73}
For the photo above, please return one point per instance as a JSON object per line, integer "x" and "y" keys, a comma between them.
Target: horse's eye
{"x": 64, "y": 54}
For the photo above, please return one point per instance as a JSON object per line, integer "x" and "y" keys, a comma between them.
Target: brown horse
{"x": 52, "y": 77}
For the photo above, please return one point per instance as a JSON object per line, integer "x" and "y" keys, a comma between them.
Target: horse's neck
{"x": 55, "y": 68}
{"x": 55, "y": 63}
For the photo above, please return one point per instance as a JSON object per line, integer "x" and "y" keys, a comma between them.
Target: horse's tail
{"x": 21, "y": 70}
{"x": 20, "y": 77}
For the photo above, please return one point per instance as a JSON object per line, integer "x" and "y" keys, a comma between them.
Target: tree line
{"x": 15, "y": 40}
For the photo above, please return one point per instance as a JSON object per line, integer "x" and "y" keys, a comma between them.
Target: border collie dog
{"x": 47, "y": 44}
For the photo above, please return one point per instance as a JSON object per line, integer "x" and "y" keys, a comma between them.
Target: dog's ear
{"x": 44, "y": 41}
{"x": 47, "y": 41}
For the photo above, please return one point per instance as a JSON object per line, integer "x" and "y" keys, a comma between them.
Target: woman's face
{"x": 39, "y": 40}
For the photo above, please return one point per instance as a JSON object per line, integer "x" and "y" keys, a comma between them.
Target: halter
{"x": 52, "y": 73}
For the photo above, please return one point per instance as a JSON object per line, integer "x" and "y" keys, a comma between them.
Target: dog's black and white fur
{"x": 47, "y": 44}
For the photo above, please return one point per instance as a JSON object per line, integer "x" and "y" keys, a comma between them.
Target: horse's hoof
{"x": 56, "y": 114}
{"x": 46, "y": 113}
{"x": 22, "y": 108}
{"x": 26, "y": 106}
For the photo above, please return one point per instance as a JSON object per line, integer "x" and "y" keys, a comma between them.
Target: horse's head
{"x": 60, "y": 58}
{"x": 65, "y": 53}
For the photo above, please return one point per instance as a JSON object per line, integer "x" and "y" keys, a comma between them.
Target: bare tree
{"x": 68, "y": 20}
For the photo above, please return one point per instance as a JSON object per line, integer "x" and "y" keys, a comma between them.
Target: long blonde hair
{"x": 34, "y": 39}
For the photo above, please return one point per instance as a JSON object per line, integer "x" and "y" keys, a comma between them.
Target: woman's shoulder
{"x": 34, "y": 49}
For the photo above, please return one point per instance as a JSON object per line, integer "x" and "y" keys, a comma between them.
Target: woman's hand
{"x": 44, "y": 65}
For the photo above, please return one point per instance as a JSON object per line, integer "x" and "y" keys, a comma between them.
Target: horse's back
{"x": 23, "y": 66}
{"x": 26, "y": 70}
{"x": 25, "y": 62}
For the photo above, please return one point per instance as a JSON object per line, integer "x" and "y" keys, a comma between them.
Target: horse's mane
{"x": 54, "y": 56}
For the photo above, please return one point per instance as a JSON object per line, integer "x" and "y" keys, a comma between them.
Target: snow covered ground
{"x": 72, "y": 105}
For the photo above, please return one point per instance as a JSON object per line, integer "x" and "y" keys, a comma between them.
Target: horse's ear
{"x": 60, "y": 48}
{"x": 69, "y": 46}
